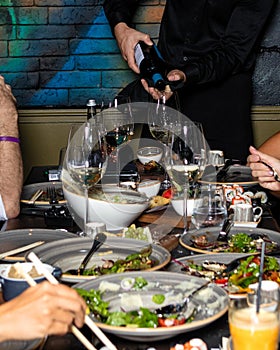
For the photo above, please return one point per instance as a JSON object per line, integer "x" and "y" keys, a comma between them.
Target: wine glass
{"x": 185, "y": 161}
{"x": 163, "y": 125}
{"x": 118, "y": 127}
{"x": 85, "y": 160}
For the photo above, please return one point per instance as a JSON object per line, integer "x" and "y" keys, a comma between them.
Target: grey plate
{"x": 213, "y": 232}
{"x": 223, "y": 258}
{"x": 211, "y": 301}
{"x": 29, "y": 190}
{"x": 69, "y": 253}
{"x": 14, "y": 239}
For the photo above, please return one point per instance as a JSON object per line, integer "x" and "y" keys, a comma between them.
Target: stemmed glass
{"x": 185, "y": 161}
{"x": 163, "y": 125}
{"x": 86, "y": 160}
{"x": 118, "y": 127}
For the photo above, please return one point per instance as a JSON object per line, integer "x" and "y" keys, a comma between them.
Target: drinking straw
{"x": 260, "y": 278}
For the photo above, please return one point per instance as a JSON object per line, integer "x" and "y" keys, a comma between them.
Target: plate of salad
{"x": 116, "y": 255}
{"x": 240, "y": 240}
{"x": 245, "y": 270}
{"x": 125, "y": 304}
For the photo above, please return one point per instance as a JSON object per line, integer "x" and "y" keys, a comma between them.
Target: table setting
{"x": 131, "y": 269}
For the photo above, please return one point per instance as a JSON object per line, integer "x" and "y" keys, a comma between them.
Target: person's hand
{"x": 41, "y": 310}
{"x": 8, "y": 111}
{"x": 127, "y": 38}
{"x": 262, "y": 172}
{"x": 173, "y": 75}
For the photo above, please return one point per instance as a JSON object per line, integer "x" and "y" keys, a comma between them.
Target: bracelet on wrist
{"x": 10, "y": 139}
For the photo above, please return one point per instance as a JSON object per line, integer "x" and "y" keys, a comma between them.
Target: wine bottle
{"x": 151, "y": 65}
{"x": 91, "y": 108}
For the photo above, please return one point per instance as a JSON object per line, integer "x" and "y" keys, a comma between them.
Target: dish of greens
{"x": 240, "y": 240}
{"x": 236, "y": 282}
{"x": 116, "y": 255}
{"x": 125, "y": 304}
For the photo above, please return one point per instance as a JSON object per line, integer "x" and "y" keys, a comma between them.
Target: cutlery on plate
{"x": 35, "y": 196}
{"x": 223, "y": 235}
{"x": 52, "y": 195}
{"x": 98, "y": 241}
{"x": 179, "y": 307}
{"x": 21, "y": 249}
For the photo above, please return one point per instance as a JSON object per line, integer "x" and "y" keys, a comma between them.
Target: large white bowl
{"x": 115, "y": 215}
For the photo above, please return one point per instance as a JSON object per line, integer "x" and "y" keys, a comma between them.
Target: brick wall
{"x": 59, "y": 53}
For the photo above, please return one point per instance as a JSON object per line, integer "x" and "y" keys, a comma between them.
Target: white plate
{"x": 29, "y": 190}
{"x": 212, "y": 302}
{"x": 68, "y": 254}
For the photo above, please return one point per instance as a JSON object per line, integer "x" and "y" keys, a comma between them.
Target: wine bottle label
{"x": 138, "y": 54}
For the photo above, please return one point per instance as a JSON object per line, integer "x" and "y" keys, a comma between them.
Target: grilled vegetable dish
{"x": 133, "y": 262}
{"x": 238, "y": 280}
{"x": 237, "y": 243}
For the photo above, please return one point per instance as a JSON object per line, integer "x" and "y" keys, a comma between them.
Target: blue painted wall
{"x": 59, "y": 53}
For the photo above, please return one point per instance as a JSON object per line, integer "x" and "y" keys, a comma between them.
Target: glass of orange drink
{"x": 253, "y": 327}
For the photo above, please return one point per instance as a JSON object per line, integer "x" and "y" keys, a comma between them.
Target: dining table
{"x": 211, "y": 334}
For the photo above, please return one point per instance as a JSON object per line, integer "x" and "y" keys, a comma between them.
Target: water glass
{"x": 210, "y": 210}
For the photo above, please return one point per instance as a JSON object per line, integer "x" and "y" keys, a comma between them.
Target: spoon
{"x": 223, "y": 234}
{"x": 179, "y": 307}
{"x": 98, "y": 241}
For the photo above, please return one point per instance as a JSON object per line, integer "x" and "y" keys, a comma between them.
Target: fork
{"x": 52, "y": 195}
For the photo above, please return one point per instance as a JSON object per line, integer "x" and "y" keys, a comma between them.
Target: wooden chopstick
{"x": 14, "y": 258}
{"x": 96, "y": 330}
{"x": 35, "y": 196}
{"x": 74, "y": 329}
{"x": 21, "y": 249}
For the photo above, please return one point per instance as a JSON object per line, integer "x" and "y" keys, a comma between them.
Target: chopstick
{"x": 74, "y": 329}
{"x": 35, "y": 196}
{"x": 21, "y": 249}
{"x": 89, "y": 322}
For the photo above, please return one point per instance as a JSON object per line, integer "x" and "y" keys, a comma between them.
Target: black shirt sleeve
{"x": 118, "y": 11}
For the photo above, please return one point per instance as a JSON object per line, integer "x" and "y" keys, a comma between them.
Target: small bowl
{"x": 12, "y": 287}
{"x": 147, "y": 154}
{"x": 149, "y": 187}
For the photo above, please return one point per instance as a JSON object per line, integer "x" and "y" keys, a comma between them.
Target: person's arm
{"x": 119, "y": 14}
{"x": 11, "y": 172}
{"x": 271, "y": 146}
{"x": 257, "y": 160}
{"x": 242, "y": 34}
{"x": 41, "y": 310}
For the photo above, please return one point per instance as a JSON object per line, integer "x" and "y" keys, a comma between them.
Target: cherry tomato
{"x": 221, "y": 280}
{"x": 167, "y": 193}
{"x": 257, "y": 260}
{"x": 170, "y": 322}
